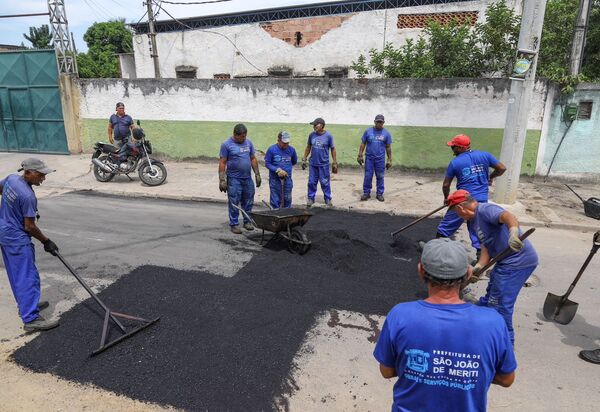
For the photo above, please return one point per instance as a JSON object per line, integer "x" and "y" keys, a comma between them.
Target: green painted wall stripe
{"x": 413, "y": 147}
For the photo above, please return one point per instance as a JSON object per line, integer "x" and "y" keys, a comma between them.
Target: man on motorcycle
{"x": 119, "y": 126}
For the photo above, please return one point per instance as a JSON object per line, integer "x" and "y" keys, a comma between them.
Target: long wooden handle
{"x": 417, "y": 221}
{"x": 504, "y": 253}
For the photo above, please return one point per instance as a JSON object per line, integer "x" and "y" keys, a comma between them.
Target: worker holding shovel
{"x": 497, "y": 230}
{"x": 280, "y": 160}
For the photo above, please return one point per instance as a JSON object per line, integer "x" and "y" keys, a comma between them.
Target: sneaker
{"x": 592, "y": 356}
{"x": 40, "y": 324}
{"x": 43, "y": 304}
{"x": 328, "y": 203}
{"x": 236, "y": 230}
{"x": 365, "y": 197}
{"x": 248, "y": 226}
{"x": 310, "y": 202}
{"x": 380, "y": 198}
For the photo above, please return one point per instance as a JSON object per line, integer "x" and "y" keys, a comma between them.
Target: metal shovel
{"x": 559, "y": 308}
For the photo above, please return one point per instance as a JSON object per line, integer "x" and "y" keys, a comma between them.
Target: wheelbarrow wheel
{"x": 299, "y": 236}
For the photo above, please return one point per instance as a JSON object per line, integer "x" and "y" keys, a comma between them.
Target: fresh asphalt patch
{"x": 228, "y": 343}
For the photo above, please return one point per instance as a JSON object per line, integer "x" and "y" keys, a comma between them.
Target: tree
{"x": 105, "y": 40}
{"x": 451, "y": 50}
{"x": 39, "y": 37}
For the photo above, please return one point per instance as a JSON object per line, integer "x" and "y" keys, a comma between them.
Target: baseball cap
{"x": 379, "y": 118}
{"x": 461, "y": 140}
{"x": 444, "y": 259}
{"x": 35, "y": 164}
{"x": 457, "y": 197}
{"x": 317, "y": 121}
{"x": 120, "y": 104}
{"x": 285, "y": 137}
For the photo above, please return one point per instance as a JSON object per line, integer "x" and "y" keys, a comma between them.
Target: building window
{"x": 185, "y": 72}
{"x": 298, "y": 37}
{"x": 335, "y": 72}
{"x": 221, "y": 76}
{"x": 585, "y": 111}
{"x": 419, "y": 21}
{"x": 280, "y": 71}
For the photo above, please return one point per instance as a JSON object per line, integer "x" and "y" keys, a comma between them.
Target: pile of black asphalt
{"x": 229, "y": 343}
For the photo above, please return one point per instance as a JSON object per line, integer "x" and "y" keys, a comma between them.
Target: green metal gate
{"x": 31, "y": 118}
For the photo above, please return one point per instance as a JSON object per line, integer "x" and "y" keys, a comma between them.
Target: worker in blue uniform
{"x": 280, "y": 160}
{"x": 319, "y": 143}
{"x": 471, "y": 170}
{"x": 18, "y": 213}
{"x": 497, "y": 229}
{"x": 378, "y": 142}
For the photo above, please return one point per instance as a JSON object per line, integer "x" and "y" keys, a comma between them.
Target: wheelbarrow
{"x": 284, "y": 223}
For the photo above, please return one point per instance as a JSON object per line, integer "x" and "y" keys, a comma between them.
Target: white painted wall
{"x": 212, "y": 53}
{"x": 478, "y": 103}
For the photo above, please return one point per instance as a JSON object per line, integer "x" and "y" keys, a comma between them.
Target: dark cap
{"x": 379, "y": 118}
{"x": 35, "y": 164}
{"x": 317, "y": 121}
{"x": 120, "y": 104}
{"x": 445, "y": 259}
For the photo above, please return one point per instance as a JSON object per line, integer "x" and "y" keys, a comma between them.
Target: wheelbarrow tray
{"x": 279, "y": 220}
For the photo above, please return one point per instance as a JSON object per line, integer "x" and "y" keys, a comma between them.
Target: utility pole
{"x": 521, "y": 88}
{"x": 579, "y": 34}
{"x": 61, "y": 39}
{"x": 152, "y": 37}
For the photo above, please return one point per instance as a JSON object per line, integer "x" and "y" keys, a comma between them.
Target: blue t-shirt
{"x": 446, "y": 356}
{"x": 376, "y": 141}
{"x": 121, "y": 126}
{"x": 471, "y": 170}
{"x": 278, "y": 158}
{"x": 321, "y": 144}
{"x": 238, "y": 157}
{"x": 18, "y": 202}
{"x": 494, "y": 236}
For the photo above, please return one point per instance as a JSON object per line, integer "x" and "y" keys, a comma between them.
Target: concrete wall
{"x": 579, "y": 154}
{"x": 327, "y": 41}
{"x": 190, "y": 118}
{"x": 69, "y": 98}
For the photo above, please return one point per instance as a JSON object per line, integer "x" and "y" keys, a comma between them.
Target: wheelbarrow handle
{"x": 244, "y": 213}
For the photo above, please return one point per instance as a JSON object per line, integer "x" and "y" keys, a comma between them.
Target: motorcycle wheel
{"x": 153, "y": 177}
{"x": 100, "y": 174}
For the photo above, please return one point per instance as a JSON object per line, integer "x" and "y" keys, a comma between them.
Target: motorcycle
{"x": 106, "y": 162}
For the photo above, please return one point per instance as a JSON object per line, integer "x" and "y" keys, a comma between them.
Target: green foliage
{"x": 451, "y": 50}
{"x": 39, "y": 37}
{"x": 105, "y": 40}
{"x": 591, "y": 56}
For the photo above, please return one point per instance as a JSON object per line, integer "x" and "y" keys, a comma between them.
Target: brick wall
{"x": 300, "y": 32}
{"x": 419, "y": 21}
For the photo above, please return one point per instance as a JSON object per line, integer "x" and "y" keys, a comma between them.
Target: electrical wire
{"x": 194, "y": 2}
{"x": 211, "y": 32}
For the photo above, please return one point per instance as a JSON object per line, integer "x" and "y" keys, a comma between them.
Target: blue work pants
{"x": 502, "y": 291}
{"x": 319, "y": 174}
{"x": 377, "y": 166}
{"x": 24, "y": 279}
{"x": 276, "y": 192}
{"x": 451, "y": 223}
{"x": 241, "y": 193}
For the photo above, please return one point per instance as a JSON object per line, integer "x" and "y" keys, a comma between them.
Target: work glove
{"x": 388, "y": 164}
{"x": 360, "y": 159}
{"x": 304, "y": 164}
{"x": 50, "y": 247}
{"x": 513, "y": 241}
{"x": 222, "y": 182}
{"x": 334, "y": 167}
{"x": 476, "y": 273}
{"x": 281, "y": 173}
{"x": 258, "y": 179}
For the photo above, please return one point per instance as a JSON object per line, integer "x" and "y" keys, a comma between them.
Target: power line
{"x": 6, "y": 16}
{"x": 211, "y": 32}
{"x": 194, "y": 2}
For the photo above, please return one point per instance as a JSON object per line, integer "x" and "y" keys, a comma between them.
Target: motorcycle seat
{"x": 109, "y": 147}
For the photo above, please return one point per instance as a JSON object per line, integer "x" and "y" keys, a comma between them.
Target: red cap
{"x": 457, "y": 197}
{"x": 461, "y": 140}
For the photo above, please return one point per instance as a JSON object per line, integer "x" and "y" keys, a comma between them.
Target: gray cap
{"x": 35, "y": 164}
{"x": 444, "y": 259}
{"x": 285, "y": 137}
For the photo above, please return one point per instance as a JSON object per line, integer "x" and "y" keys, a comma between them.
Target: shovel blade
{"x": 558, "y": 309}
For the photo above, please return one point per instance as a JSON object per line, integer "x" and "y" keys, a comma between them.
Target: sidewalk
{"x": 539, "y": 204}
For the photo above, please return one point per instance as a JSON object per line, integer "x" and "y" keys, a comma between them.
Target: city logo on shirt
{"x": 417, "y": 360}
{"x": 244, "y": 149}
{"x": 473, "y": 169}
{"x": 282, "y": 159}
